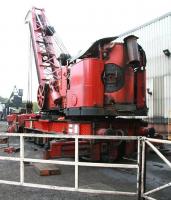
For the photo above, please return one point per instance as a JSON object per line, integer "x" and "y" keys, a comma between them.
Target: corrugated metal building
{"x": 154, "y": 37}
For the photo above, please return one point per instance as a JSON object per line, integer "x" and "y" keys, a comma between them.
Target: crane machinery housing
{"x": 96, "y": 92}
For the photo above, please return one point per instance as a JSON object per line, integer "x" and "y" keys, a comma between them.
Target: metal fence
{"x": 150, "y": 143}
{"x": 140, "y": 192}
{"x": 169, "y": 126}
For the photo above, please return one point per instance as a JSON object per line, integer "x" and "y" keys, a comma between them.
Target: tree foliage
{"x": 35, "y": 107}
{"x": 3, "y": 100}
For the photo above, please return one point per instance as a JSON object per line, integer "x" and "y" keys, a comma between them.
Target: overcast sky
{"x": 78, "y": 22}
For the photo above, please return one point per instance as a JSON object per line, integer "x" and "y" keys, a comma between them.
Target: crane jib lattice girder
{"x": 41, "y": 35}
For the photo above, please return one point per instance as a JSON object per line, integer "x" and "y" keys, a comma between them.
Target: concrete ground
{"x": 96, "y": 178}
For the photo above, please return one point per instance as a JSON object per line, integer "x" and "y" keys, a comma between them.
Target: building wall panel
{"x": 154, "y": 37}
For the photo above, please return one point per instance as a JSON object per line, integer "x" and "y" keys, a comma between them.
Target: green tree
{"x": 35, "y": 107}
{"x": 3, "y": 100}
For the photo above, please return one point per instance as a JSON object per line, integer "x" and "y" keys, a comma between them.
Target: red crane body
{"x": 87, "y": 94}
{"x": 107, "y": 79}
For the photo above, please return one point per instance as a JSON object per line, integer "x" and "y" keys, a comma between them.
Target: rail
{"x": 140, "y": 192}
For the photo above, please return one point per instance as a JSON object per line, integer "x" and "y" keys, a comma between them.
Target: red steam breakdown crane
{"x": 94, "y": 93}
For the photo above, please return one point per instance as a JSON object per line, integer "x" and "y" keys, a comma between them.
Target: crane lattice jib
{"x": 43, "y": 47}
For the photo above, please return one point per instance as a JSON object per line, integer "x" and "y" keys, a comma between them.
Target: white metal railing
{"x": 140, "y": 192}
{"x": 169, "y": 126}
{"x": 149, "y": 142}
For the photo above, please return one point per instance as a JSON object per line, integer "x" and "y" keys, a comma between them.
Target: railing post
{"x": 76, "y": 162}
{"x": 139, "y": 168}
{"x": 21, "y": 159}
{"x": 143, "y": 169}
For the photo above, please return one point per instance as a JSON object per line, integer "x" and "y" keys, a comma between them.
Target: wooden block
{"x": 3, "y": 140}
{"x": 46, "y": 169}
{"x": 17, "y": 149}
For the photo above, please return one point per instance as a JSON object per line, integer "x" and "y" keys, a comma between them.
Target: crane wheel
{"x": 41, "y": 96}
